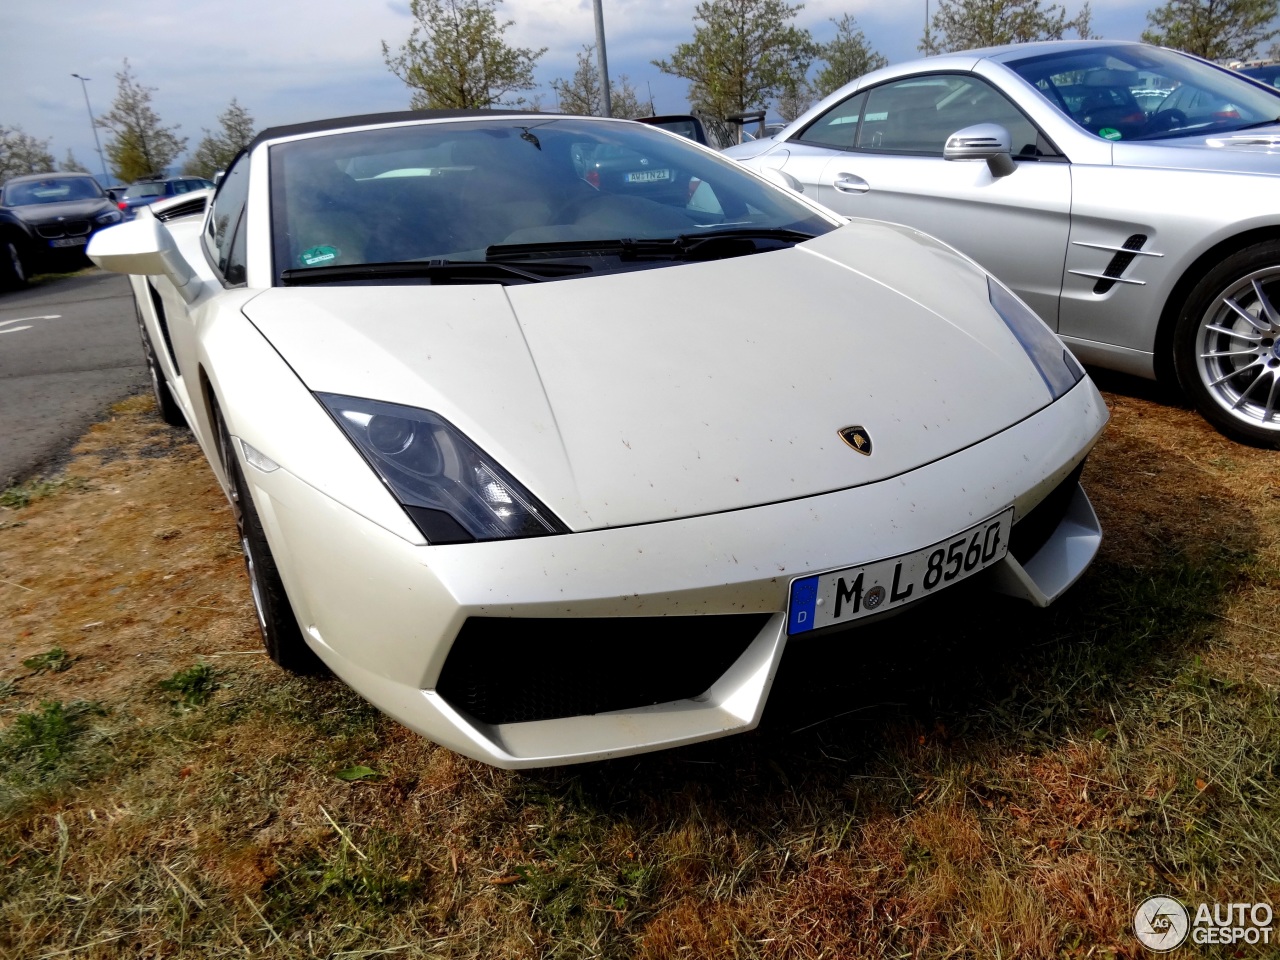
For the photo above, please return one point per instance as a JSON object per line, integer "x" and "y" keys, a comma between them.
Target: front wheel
{"x": 281, "y": 635}
{"x": 170, "y": 412}
{"x": 1226, "y": 345}
{"x": 13, "y": 265}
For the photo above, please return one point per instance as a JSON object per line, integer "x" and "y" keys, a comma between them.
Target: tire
{"x": 14, "y": 269}
{"x": 281, "y": 636}
{"x": 1226, "y": 346}
{"x": 170, "y": 412}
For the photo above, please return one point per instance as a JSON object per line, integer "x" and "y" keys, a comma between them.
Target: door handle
{"x": 849, "y": 183}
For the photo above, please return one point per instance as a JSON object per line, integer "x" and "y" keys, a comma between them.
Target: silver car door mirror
{"x": 983, "y": 141}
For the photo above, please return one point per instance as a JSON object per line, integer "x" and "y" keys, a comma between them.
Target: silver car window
{"x": 916, "y": 115}
{"x": 838, "y": 126}
{"x": 1137, "y": 92}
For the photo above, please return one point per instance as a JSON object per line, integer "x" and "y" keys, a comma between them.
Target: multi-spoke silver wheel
{"x": 1226, "y": 346}
{"x": 1239, "y": 349}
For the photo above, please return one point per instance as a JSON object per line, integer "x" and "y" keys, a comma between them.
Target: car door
{"x": 878, "y": 154}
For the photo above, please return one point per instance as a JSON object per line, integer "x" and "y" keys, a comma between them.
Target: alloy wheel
{"x": 1238, "y": 349}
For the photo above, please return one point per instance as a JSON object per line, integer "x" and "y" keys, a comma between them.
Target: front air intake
{"x": 514, "y": 670}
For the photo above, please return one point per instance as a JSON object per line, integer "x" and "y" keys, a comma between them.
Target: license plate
{"x": 837, "y": 597}
{"x": 648, "y": 176}
{"x": 69, "y": 242}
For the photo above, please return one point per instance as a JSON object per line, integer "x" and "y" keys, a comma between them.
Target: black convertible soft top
{"x": 371, "y": 119}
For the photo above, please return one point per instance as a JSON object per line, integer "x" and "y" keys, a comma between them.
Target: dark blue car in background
{"x": 143, "y": 192}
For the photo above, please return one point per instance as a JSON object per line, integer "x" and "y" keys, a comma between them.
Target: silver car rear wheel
{"x": 1227, "y": 346}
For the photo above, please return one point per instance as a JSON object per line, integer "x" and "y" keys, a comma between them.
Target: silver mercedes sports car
{"x": 1129, "y": 194}
{"x": 501, "y": 457}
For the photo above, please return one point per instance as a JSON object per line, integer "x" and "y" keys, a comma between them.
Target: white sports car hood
{"x": 685, "y": 389}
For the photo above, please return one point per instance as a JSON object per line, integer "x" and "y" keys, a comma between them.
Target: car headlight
{"x": 452, "y": 489}
{"x": 111, "y": 216}
{"x": 1057, "y": 365}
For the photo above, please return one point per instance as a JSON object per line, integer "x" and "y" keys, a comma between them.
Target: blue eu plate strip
{"x": 804, "y": 596}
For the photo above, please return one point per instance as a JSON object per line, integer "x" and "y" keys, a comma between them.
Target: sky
{"x": 291, "y": 62}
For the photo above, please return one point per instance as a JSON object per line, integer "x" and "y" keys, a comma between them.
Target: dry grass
{"x": 1004, "y": 783}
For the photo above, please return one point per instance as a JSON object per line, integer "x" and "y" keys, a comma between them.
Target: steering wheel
{"x": 1165, "y": 120}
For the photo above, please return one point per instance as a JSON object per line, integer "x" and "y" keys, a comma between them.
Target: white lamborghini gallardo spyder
{"x": 506, "y": 460}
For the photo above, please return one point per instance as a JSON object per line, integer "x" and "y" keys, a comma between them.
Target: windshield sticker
{"x": 1109, "y": 133}
{"x": 318, "y": 255}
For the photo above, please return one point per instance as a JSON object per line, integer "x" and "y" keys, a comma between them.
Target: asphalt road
{"x": 68, "y": 349}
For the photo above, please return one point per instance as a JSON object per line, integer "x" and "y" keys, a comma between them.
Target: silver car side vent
{"x": 186, "y": 209}
{"x": 1114, "y": 271}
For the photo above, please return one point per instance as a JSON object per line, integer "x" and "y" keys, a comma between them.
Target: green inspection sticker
{"x": 317, "y": 255}
{"x": 1109, "y": 133}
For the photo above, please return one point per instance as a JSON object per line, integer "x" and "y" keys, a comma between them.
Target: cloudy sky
{"x": 290, "y": 62}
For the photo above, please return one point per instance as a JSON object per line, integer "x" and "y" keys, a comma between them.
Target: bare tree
{"x": 22, "y": 153}
{"x": 71, "y": 165}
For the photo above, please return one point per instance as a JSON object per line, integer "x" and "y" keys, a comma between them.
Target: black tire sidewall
{"x": 169, "y": 410}
{"x": 1186, "y": 336}
{"x": 9, "y": 278}
{"x": 281, "y": 636}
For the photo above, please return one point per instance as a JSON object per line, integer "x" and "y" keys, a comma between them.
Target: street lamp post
{"x": 93, "y": 126}
{"x": 603, "y": 60}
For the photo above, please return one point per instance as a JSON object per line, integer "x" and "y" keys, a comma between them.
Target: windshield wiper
{"x": 1254, "y": 126}
{"x": 712, "y": 245}
{"x": 437, "y": 271}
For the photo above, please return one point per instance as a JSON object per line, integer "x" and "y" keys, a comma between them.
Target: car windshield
{"x": 52, "y": 190}
{"x": 152, "y": 189}
{"x": 1135, "y": 92}
{"x": 455, "y": 191}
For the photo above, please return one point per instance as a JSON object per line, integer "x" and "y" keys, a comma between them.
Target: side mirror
{"x": 142, "y": 246}
{"x": 983, "y": 141}
{"x": 782, "y": 179}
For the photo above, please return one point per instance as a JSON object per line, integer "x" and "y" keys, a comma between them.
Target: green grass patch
{"x": 193, "y": 686}
{"x": 22, "y": 495}
{"x": 55, "y": 660}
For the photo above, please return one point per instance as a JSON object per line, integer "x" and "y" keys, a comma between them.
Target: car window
{"x": 917, "y": 115}
{"x": 228, "y": 205}
{"x": 1137, "y": 92}
{"x": 153, "y": 188}
{"x": 51, "y": 190}
{"x": 837, "y": 127}
{"x": 450, "y": 191}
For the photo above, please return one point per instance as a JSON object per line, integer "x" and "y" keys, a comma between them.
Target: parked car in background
{"x": 46, "y": 220}
{"x": 1269, "y": 73}
{"x": 684, "y": 124}
{"x": 143, "y": 192}
{"x": 501, "y": 457}
{"x": 17, "y": 246}
{"x": 1128, "y": 193}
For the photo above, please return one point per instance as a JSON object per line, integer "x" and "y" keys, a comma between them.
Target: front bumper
{"x": 384, "y": 613}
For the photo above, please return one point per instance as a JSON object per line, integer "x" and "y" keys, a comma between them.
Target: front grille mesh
{"x": 513, "y": 670}
{"x": 187, "y": 208}
{"x": 66, "y": 228}
{"x": 1034, "y": 530}
{"x": 1120, "y": 262}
